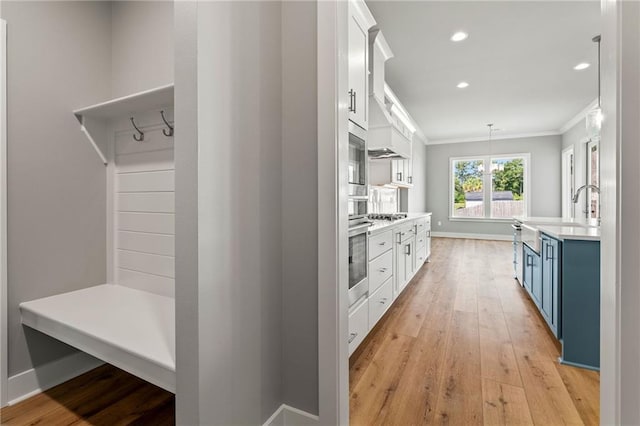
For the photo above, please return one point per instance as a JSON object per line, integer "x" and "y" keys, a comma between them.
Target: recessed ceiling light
{"x": 462, "y": 85}
{"x": 581, "y": 66}
{"x": 459, "y": 36}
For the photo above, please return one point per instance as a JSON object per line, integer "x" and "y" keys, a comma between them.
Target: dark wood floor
{"x": 463, "y": 345}
{"x": 105, "y": 396}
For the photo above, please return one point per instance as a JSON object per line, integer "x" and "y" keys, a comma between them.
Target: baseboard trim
{"x": 286, "y": 415}
{"x": 491, "y": 237}
{"x": 39, "y": 379}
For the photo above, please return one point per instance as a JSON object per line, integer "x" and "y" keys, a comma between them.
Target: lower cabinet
{"x": 550, "y": 256}
{"x": 358, "y": 325}
{"x": 380, "y": 301}
{"x": 541, "y": 279}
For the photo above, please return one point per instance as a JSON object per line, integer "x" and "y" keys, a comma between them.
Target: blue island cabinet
{"x": 581, "y": 303}
{"x": 551, "y": 290}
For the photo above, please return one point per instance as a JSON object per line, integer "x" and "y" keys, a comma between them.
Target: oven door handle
{"x": 359, "y": 229}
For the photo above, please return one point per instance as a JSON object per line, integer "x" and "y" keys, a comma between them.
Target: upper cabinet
{"x": 360, "y": 20}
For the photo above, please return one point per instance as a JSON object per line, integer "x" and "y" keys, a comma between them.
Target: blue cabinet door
{"x": 527, "y": 267}
{"x": 546, "y": 306}
{"x": 536, "y": 279}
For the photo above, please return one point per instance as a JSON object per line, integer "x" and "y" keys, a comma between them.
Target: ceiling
{"x": 518, "y": 61}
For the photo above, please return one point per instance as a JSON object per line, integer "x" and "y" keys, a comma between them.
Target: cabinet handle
{"x": 399, "y": 238}
{"x": 355, "y": 102}
{"x": 408, "y": 251}
{"x": 529, "y": 257}
{"x": 549, "y": 257}
{"x": 352, "y": 336}
{"x": 399, "y": 176}
{"x": 351, "y": 98}
{"x": 382, "y": 243}
{"x": 383, "y": 269}
{"x": 429, "y": 233}
{"x": 383, "y": 301}
{"x": 410, "y": 179}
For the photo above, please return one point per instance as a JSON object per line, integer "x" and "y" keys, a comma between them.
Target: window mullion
{"x": 487, "y": 187}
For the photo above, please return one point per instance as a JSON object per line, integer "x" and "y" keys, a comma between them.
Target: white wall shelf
{"x": 131, "y": 329}
{"x": 93, "y": 118}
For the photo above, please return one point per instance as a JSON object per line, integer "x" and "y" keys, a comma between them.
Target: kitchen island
{"x": 561, "y": 273}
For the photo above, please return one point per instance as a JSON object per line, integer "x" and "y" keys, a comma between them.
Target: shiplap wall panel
{"x": 144, "y": 203}
{"x": 158, "y": 223}
{"x": 147, "y": 243}
{"x": 156, "y": 202}
{"x": 146, "y": 161}
{"x": 146, "y": 282}
{"x": 144, "y": 262}
{"x": 146, "y": 181}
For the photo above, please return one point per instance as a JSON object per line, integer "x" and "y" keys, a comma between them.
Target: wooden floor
{"x": 463, "y": 345}
{"x": 105, "y": 396}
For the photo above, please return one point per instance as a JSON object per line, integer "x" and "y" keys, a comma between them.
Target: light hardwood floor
{"x": 464, "y": 345}
{"x": 105, "y": 396}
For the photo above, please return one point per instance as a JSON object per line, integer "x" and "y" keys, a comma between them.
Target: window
{"x": 489, "y": 187}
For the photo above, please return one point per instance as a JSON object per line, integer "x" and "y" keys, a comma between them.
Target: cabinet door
{"x": 547, "y": 281}
{"x": 398, "y": 174}
{"x": 409, "y": 170}
{"x": 400, "y": 271}
{"x": 411, "y": 258}
{"x": 358, "y": 51}
{"x": 556, "y": 285}
{"x": 527, "y": 271}
{"x": 536, "y": 278}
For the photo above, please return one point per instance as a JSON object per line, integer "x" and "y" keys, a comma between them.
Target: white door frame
{"x": 333, "y": 153}
{"x": 3, "y": 217}
{"x": 620, "y": 197}
{"x": 568, "y": 182}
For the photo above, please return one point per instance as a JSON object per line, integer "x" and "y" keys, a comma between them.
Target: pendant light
{"x": 594, "y": 117}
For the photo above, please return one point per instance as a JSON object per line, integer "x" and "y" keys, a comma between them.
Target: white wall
{"x": 545, "y": 170}
{"x": 228, "y": 212}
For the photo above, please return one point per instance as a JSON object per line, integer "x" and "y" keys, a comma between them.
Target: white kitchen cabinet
{"x": 380, "y": 270}
{"x": 402, "y": 172}
{"x": 379, "y": 302}
{"x": 358, "y": 325}
{"x": 358, "y": 66}
{"x": 380, "y": 54}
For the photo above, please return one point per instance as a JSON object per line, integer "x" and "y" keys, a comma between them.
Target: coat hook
{"x": 140, "y": 136}
{"x": 169, "y": 131}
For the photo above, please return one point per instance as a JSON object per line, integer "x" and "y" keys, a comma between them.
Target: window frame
{"x": 487, "y": 186}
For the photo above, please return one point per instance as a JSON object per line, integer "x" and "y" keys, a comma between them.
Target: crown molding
{"x": 484, "y": 138}
{"x": 580, "y": 116}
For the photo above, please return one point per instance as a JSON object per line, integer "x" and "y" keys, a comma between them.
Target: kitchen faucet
{"x": 582, "y": 188}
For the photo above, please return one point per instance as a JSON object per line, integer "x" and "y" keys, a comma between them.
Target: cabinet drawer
{"x": 424, "y": 224}
{"x": 380, "y": 270}
{"x": 380, "y": 243}
{"x": 421, "y": 240}
{"x": 358, "y": 325}
{"x": 380, "y": 302}
{"x": 404, "y": 232}
{"x": 421, "y": 256}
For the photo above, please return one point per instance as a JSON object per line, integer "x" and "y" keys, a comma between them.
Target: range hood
{"x": 388, "y": 136}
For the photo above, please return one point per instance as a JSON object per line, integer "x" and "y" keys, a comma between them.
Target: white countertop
{"x": 571, "y": 232}
{"x": 380, "y": 225}
{"x": 555, "y": 221}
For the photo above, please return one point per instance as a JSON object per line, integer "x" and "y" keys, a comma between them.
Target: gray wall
{"x": 300, "y": 206}
{"x": 545, "y": 184}
{"x": 58, "y": 60}
{"x": 142, "y": 46}
{"x": 229, "y": 233}
{"x": 61, "y": 56}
